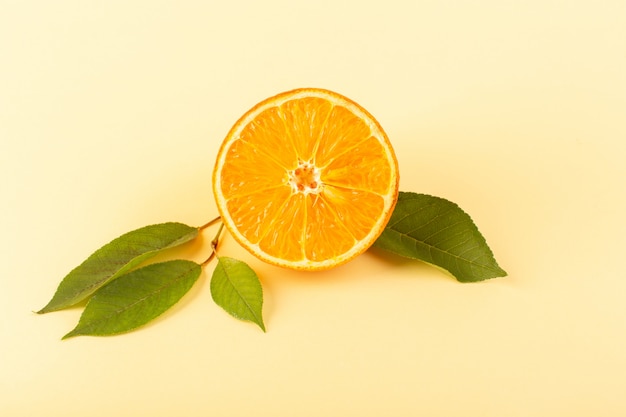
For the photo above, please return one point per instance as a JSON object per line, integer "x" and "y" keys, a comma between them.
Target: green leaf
{"x": 438, "y": 232}
{"x": 136, "y": 298}
{"x": 236, "y": 288}
{"x": 116, "y": 258}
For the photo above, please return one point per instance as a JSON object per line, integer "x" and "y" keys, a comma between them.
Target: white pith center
{"x": 305, "y": 179}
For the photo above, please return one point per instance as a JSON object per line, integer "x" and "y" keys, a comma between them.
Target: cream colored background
{"x": 111, "y": 114}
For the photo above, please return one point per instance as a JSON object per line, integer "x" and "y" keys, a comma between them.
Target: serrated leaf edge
{"x": 259, "y": 320}
{"x": 496, "y": 269}
{"x": 77, "y": 331}
{"x": 127, "y": 267}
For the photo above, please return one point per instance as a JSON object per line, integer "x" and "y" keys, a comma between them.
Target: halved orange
{"x": 306, "y": 179}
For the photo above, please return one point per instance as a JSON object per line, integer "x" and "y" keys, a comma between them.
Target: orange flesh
{"x": 306, "y": 180}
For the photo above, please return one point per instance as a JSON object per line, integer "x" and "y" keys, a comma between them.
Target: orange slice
{"x": 306, "y": 179}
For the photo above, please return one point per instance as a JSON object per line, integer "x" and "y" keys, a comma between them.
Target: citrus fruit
{"x": 306, "y": 179}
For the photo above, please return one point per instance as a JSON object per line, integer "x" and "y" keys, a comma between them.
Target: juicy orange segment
{"x": 306, "y": 179}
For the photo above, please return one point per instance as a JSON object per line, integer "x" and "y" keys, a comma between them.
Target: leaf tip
{"x": 499, "y": 272}
{"x": 46, "y": 309}
{"x": 73, "y": 333}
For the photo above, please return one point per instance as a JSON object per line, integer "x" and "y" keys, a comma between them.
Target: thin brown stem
{"x": 209, "y": 259}
{"x": 214, "y": 244}
{"x": 210, "y": 223}
{"x": 215, "y": 240}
